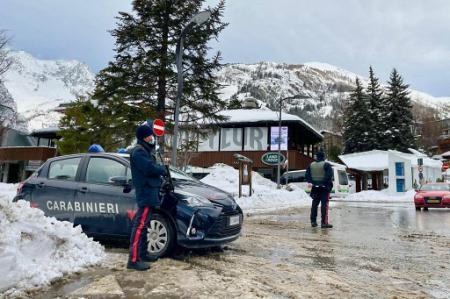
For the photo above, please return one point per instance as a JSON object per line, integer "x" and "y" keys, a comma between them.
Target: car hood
{"x": 434, "y": 193}
{"x": 215, "y": 195}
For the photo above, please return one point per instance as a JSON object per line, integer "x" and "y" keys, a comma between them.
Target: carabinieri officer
{"x": 146, "y": 175}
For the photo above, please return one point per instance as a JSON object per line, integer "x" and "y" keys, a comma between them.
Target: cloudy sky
{"x": 413, "y": 36}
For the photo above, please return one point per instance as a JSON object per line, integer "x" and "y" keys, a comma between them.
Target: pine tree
{"x": 376, "y": 105}
{"x": 356, "y": 126}
{"x": 143, "y": 73}
{"x": 399, "y": 135}
{"x": 234, "y": 103}
{"x": 78, "y": 131}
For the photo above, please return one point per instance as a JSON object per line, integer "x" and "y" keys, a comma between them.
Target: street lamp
{"x": 279, "y": 133}
{"x": 198, "y": 19}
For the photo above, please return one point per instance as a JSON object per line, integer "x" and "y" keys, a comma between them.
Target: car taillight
{"x": 34, "y": 205}
{"x": 446, "y": 197}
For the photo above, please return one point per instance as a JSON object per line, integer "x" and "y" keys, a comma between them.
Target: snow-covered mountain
{"x": 319, "y": 87}
{"x": 39, "y": 86}
{"x": 35, "y": 87}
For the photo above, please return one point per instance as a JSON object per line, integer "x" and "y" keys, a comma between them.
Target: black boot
{"x": 326, "y": 225}
{"x": 314, "y": 224}
{"x": 139, "y": 266}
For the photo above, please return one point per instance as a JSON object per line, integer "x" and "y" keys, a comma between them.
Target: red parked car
{"x": 433, "y": 195}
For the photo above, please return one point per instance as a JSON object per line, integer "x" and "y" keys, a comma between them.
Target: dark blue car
{"x": 95, "y": 191}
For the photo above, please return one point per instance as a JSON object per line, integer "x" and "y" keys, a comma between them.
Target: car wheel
{"x": 160, "y": 236}
{"x": 417, "y": 208}
{"x": 425, "y": 209}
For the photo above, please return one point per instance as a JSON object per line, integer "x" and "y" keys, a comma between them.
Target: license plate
{"x": 433, "y": 201}
{"x": 234, "y": 220}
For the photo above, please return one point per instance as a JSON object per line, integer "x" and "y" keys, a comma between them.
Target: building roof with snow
{"x": 264, "y": 117}
{"x": 377, "y": 160}
{"x": 367, "y": 161}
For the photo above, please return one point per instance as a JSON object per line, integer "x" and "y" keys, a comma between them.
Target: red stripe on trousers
{"x": 138, "y": 234}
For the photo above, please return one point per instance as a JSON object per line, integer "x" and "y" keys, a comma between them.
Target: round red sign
{"x": 158, "y": 127}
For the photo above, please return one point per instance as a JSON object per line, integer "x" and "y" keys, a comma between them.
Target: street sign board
{"x": 276, "y": 137}
{"x": 272, "y": 158}
{"x": 420, "y": 161}
{"x": 158, "y": 127}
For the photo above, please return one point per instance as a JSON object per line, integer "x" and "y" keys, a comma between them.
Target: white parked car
{"x": 341, "y": 183}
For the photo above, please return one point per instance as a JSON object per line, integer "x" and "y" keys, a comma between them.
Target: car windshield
{"x": 435, "y": 187}
{"x": 343, "y": 179}
{"x": 177, "y": 174}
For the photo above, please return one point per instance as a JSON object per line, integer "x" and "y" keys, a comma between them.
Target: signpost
{"x": 245, "y": 173}
{"x": 273, "y": 158}
{"x": 420, "y": 168}
{"x": 158, "y": 127}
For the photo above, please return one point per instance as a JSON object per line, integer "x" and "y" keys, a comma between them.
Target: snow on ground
{"x": 266, "y": 196}
{"x": 35, "y": 249}
{"x": 379, "y": 196}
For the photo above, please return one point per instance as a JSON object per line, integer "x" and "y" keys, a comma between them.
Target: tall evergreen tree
{"x": 78, "y": 130}
{"x": 376, "y": 105}
{"x": 399, "y": 135}
{"x": 356, "y": 126}
{"x": 143, "y": 72}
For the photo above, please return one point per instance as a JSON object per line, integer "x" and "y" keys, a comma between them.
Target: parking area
{"x": 374, "y": 251}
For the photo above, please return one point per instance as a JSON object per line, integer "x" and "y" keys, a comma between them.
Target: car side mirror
{"x": 119, "y": 181}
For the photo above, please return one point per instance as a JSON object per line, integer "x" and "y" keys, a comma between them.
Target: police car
{"x": 94, "y": 190}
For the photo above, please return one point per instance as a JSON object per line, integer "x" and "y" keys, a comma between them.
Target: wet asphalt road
{"x": 374, "y": 251}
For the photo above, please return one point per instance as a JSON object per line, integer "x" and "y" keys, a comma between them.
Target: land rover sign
{"x": 272, "y": 158}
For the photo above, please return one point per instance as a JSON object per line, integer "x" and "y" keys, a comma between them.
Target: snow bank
{"x": 35, "y": 249}
{"x": 379, "y": 196}
{"x": 266, "y": 196}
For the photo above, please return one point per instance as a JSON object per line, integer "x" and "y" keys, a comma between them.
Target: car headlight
{"x": 197, "y": 201}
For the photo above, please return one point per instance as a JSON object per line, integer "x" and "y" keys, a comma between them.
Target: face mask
{"x": 152, "y": 141}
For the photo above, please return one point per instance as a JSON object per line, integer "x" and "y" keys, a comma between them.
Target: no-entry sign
{"x": 158, "y": 127}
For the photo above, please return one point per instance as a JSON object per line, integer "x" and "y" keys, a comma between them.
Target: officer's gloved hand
{"x": 166, "y": 185}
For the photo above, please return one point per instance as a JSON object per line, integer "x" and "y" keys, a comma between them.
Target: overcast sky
{"x": 413, "y": 36}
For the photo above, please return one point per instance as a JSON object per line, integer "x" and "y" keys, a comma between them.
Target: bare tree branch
{"x": 5, "y": 60}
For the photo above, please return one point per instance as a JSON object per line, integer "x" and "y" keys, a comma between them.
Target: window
{"x": 299, "y": 177}
{"x": 343, "y": 179}
{"x": 400, "y": 185}
{"x": 64, "y": 169}
{"x": 399, "y": 169}
{"x": 100, "y": 170}
{"x": 294, "y": 177}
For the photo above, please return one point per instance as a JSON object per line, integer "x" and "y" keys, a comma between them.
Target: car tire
{"x": 417, "y": 208}
{"x": 425, "y": 209}
{"x": 160, "y": 236}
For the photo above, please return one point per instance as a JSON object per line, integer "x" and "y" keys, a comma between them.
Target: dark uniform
{"x": 146, "y": 174}
{"x": 320, "y": 175}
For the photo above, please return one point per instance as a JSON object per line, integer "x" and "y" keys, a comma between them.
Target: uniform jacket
{"x": 146, "y": 174}
{"x": 326, "y": 181}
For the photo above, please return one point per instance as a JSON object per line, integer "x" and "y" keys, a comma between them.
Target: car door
{"x": 55, "y": 188}
{"x": 105, "y": 209}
